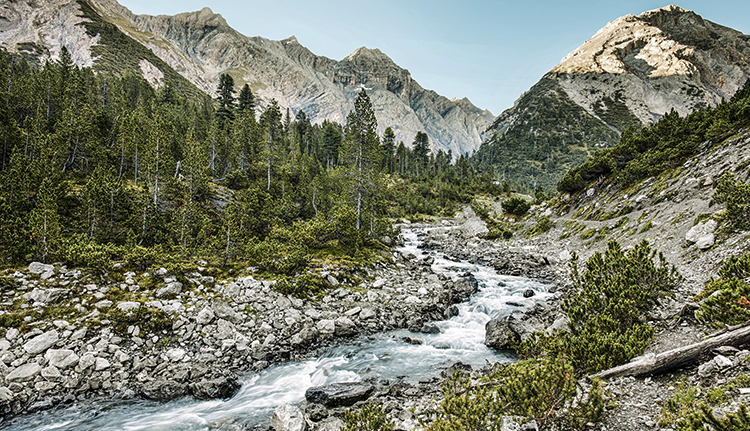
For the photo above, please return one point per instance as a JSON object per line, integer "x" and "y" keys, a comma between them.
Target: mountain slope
{"x": 630, "y": 73}
{"x": 298, "y": 79}
{"x": 201, "y": 46}
{"x": 37, "y": 30}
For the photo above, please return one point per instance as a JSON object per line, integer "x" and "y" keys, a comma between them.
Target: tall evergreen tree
{"x": 246, "y": 100}
{"x": 421, "y": 151}
{"x": 225, "y": 98}
{"x": 360, "y": 150}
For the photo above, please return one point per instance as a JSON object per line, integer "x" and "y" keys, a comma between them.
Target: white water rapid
{"x": 382, "y": 356}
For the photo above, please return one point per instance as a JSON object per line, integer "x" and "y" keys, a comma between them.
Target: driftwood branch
{"x": 676, "y": 358}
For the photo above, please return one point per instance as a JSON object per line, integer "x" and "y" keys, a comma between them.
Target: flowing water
{"x": 382, "y": 356}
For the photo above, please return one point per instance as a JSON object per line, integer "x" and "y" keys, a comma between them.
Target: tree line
{"x": 100, "y": 167}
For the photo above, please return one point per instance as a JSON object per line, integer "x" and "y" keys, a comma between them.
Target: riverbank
{"x": 210, "y": 332}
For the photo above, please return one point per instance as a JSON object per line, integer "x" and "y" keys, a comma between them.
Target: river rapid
{"x": 382, "y": 356}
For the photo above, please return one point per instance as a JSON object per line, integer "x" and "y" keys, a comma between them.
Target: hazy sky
{"x": 488, "y": 51}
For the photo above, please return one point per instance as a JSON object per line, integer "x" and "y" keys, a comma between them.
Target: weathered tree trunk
{"x": 676, "y": 358}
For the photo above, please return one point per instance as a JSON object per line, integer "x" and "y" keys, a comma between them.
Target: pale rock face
{"x": 201, "y": 46}
{"x": 50, "y": 25}
{"x": 664, "y": 59}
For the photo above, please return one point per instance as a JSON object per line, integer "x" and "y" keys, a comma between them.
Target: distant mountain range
{"x": 194, "y": 49}
{"x": 630, "y": 73}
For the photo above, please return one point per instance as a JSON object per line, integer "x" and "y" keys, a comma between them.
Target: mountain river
{"x": 383, "y": 356}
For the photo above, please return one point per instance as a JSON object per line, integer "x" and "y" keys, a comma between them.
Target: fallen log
{"x": 676, "y": 358}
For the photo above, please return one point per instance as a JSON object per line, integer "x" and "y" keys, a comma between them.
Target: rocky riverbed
{"x": 216, "y": 330}
{"x": 210, "y": 332}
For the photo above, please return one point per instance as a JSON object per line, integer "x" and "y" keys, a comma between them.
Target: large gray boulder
{"x": 42, "y": 342}
{"x": 288, "y": 418}
{"x": 339, "y": 394}
{"x": 703, "y": 233}
{"x": 61, "y": 358}
{"x": 163, "y": 390}
{"x": 501, "y": 332}
{"x": 209, "y": 389}
{"x": 24, "y": 372}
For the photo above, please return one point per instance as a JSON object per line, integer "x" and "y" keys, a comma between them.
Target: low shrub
{"x": 516, "y": 206}
{"x": 724, "y": 301}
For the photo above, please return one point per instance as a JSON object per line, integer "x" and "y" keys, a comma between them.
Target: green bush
{"x": 370, "y": 417}
{"x": 543, "y": 225}
{"x": 81, "y": 251}
{"x": 516, "y": 206}
{"x": 724, "y": 301}
{"x": 535, "y": 389}
{"x": 736, "y": 195}
{"x": 607, "y": 303}
{"x": 480, "y": 209}
{"x": 499, "y": 232}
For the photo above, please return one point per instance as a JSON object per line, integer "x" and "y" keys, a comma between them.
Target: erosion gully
{"x": 381, "y": 356}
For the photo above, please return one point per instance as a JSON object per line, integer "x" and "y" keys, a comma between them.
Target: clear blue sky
{"x": 488, "y": 51}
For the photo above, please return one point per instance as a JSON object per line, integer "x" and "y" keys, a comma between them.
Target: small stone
{"x": 101, "y": 364}
{"x": 11, "y": 334}
{"x": 288, "y": 418}
{"x": 52, "y": 374}
{"x": 205, "y": 316}
{"x": 326, "y": 326}
{"x": 722, "y": 361}
{"x": 176, "y": 355}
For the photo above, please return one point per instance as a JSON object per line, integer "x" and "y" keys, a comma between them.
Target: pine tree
{"x": 421, "y": 151}
{"x": 360, "y": 150}
{"x": 246, "y": 101}
{"x": 225, "y": 98}
{"x": 270, "y": 122}
{"x": 44, "y": 221}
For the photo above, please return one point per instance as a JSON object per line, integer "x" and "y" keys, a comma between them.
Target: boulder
{"x": 700, "y": 231}
{"x": 205, "y": 316}
{"x": 24, "y": 372}
{"x": 326, "y": 326}
{"x": 126, "y": 306}
{"x": 170, "y": 290}
{"x": 163, "y": 390}
{"x": 305, "y": 336}
{"x": 176, "y": 354}
{"x": 705, "y": 242}
{"x": 288, "y": 418}
{"x": 61, "y": 358}
{"x": 339, "y": 394}
{"x": 330, "y": 424}
{"x": 500, "y": 330}
{"x": 220, "y": 388}
{"x": 40, "y": 268}
{"x": 42, "y": 342}
{"x": 225, "y": 311}
{"x": 345, "y": 327}
{"x": 499, "y": 333}
{"x": 474, "y": 227}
